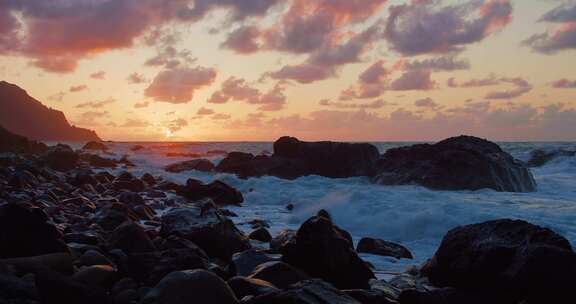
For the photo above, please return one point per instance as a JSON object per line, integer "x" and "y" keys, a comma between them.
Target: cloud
{"x": 423, "y": 27}
{"x": 98, "y": 75}
{"x": 220, "y": 116}
{"x": 564, "y": 84}
{"x": 426, "y": 103}
{"x": 170, "y": 58}
{"x": 78, "y": 88}
{"x": 136, "y": 78}
{"x": 521, "y": 87}
{"x": 562, "y": 38}
{"x": 303, "y": 73}
{"x": 95, "y": 104}
{"x": 372, "y": 83}
{"x": 205, "y": 111}
{"x": 472, "y": 83}
{"x": 243, "y": 40}
{"x": 238, "y": 89}
{"x": 140, "y": 105}
{"x": 92, "y": 117}
{"x": 176, "y": 124}
{"x": 376, "y": 104}
{"x": 414, "y": 80}
{"x": 135, "y": 123}
{"x": 439, "y": 64}
{"x": 238, "y": 9}
{"x": 57, "y": 97}
{"x": 178, "y": 85}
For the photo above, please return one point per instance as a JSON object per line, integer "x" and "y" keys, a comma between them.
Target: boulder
{"x": 220, "y": 193}
{"x": 278, "y": 242}
{"x": 505, "y": 257}
{"x": 111, "y": 216}
{"x": 61, "y": 158}
{"x": 278, "y": 273}
{"x": 541, "y": 157}
{"x": 190, "y": 286}
{"x": 451, "y": 296}
{"x": 25, "y": 231}
{"x": 126, "y": 181}
{"x": 95, "y": 145}
{"x": 202, "y": 165}
{"x": 54, "y": 288}
{"x": 323, "y": 251}
{"x": 98, "y": 161}
{"x": 206, "y": 227}
{"x": 458, "y": 163}
{"x": 131, "y": 238}
{"x": 383, "y": 248}
{"x": 245, "y": 262}
{"x": 243, "y": 287}
{"x": 260, "y": 234}
{"x": 306, "y": 292}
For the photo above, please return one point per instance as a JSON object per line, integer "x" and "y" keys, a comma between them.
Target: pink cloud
{"x": 564, "y": 84}
{"x": 179, "y": 85}
{"x": 96, "y": 104}
{"x": 238, "y": 89}
{"x": 561, "y": 39}
{"x": 140, "y": 105}
{"x": 205, "y": 111}
{"x": 78, "y": 88}
{"x": 414, "y": 80}
{"x": 243, "y": 40}
{"x": 136, "y": 78}
{"x": 98, "y": 75}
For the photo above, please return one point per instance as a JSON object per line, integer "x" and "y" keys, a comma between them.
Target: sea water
{"x": 413, "y": 216}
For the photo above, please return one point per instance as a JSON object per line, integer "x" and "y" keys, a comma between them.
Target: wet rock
{"x": 207, "y": 228}
{"x": 323, "y": 251}
{"x": 220, "y": 193}
{"x": 541, "y": 157}
{"x": 260, "y": 234}
{"x": 101, "y": 162}
{"x": 93, "y": 257}
{"x": 202, "y": 165}
{"x": 60, "y": 158}
{"x": 14, "y": 290}
{"x": 383, "y": 248}
{"x": 111, "y": 216}
{"x": 246, "y": 262}
{"x": 452, "y": 296}
{"x": 130, "y": 198}
{"x": 242, "y": 287}
{"x": 191, "y": 286}
{"x": 57, "y": 289}
{"x": 127, "y": 181}
{"x": 502, "y": 257}
{"x": 137, "y": 148}
{"x": 25, "y": 231}
{"x": 95, "y": 145}
{"x": 458, "y": 163}
{"x": 279, "y": 274}
{"x": 131, "y": 238}
{"x": 97, "y": 275}
{"x": 149, "y": 179}
{"x": 306, "y": 292}
{"x": 369, "y": 296}
{"x": 278, "y": 242}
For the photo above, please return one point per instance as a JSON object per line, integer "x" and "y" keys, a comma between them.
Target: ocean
{"x": 413, "y": 216}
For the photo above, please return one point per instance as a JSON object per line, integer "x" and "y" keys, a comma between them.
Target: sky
{"x": 254, "y": 70}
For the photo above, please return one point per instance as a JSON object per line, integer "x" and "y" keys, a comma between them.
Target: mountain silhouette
{"x": 23, "y": 115}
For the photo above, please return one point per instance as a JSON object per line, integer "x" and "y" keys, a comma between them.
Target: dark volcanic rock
{"x": 101, "y": 162}
{"x": 306, "y": 292}
{"x": 202, "y": 165}
{"x": 23, "y": 115}
{"x": 451, "y": 296}
{"x": 220, "y": 193}
{"x": 293, "y": 158}
{"x": 54, "y": 288}
{"x": 19, "y": 144}
{"x": 25, "y": 232}
{"x": 541, "y": 157}
{"x": 95, "y": 145}
{"x": 61, "y": 158}
{"x": 260, "y": 234}
{"x": 278, "y": 242}
{"x": 458, "y": 163}
{"x": 505, "y": 257}
{"x": 213, "y": 232}
{"x": 131, "y": 238}
{"x": 245, "y": 262}
{"x": 322, "y": 250}
{"x": 191, "y": 286}
{"x": 111, "y": 216}
{"x": 279, "y": 274}
{"x": 383, "y": 248}
{"x": 250, "y": 287}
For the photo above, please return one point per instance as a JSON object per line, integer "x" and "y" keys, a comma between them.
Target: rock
{"x": 278, "y": 242}
{"x": 111, "y": 216}
{"x": 93, "y": 257}
{"x": 202, "y": 165}
{"x": 369, "y": 296}
{"x": 451, "y": 296}
{"x": 96, "y": 275}
{"x": 458, "y": 163}
{"x": 137, "y": 148}
{"x": 192, "y": 286}
{"x": 59, "y": 262}
{"x": 383, "y": 248}
{"x": 279, "y": 274}
{"x": 306, "y": 292}
{"x": 246, "y": 262}
{"x": 323, "y": 251}
{"x": 130, "y": 198}
{"x": 213, "y": 232}
{"x": 220, "y": 193}
{"x": 149, "y": 179}
{"x": 57, "y": 289}
{"x": 95, "y": 145}
{"x": 101, "y": 162}
{"x": 502, "y": 257}
{"x": 16, "y": 290}
{"x": 25, "y": 231}
{"x": 242, "y": 287}
{"x": 10, "y": 142}
{"x": 61, "y": 158}
{"x": 127, "y": 181}
{"x": 541, "y": 157}
{"x": 131, "y": 238}
{"x": 260, "y": 234}
{"x": 293, "y": 158}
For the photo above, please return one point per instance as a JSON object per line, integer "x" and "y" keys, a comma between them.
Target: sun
{"x": 168, "y": 133}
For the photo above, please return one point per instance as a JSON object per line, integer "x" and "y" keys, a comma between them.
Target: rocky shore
{"x": 74, "y": 232}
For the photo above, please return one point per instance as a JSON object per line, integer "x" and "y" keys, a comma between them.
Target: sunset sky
{"x": 317, "y": 69}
